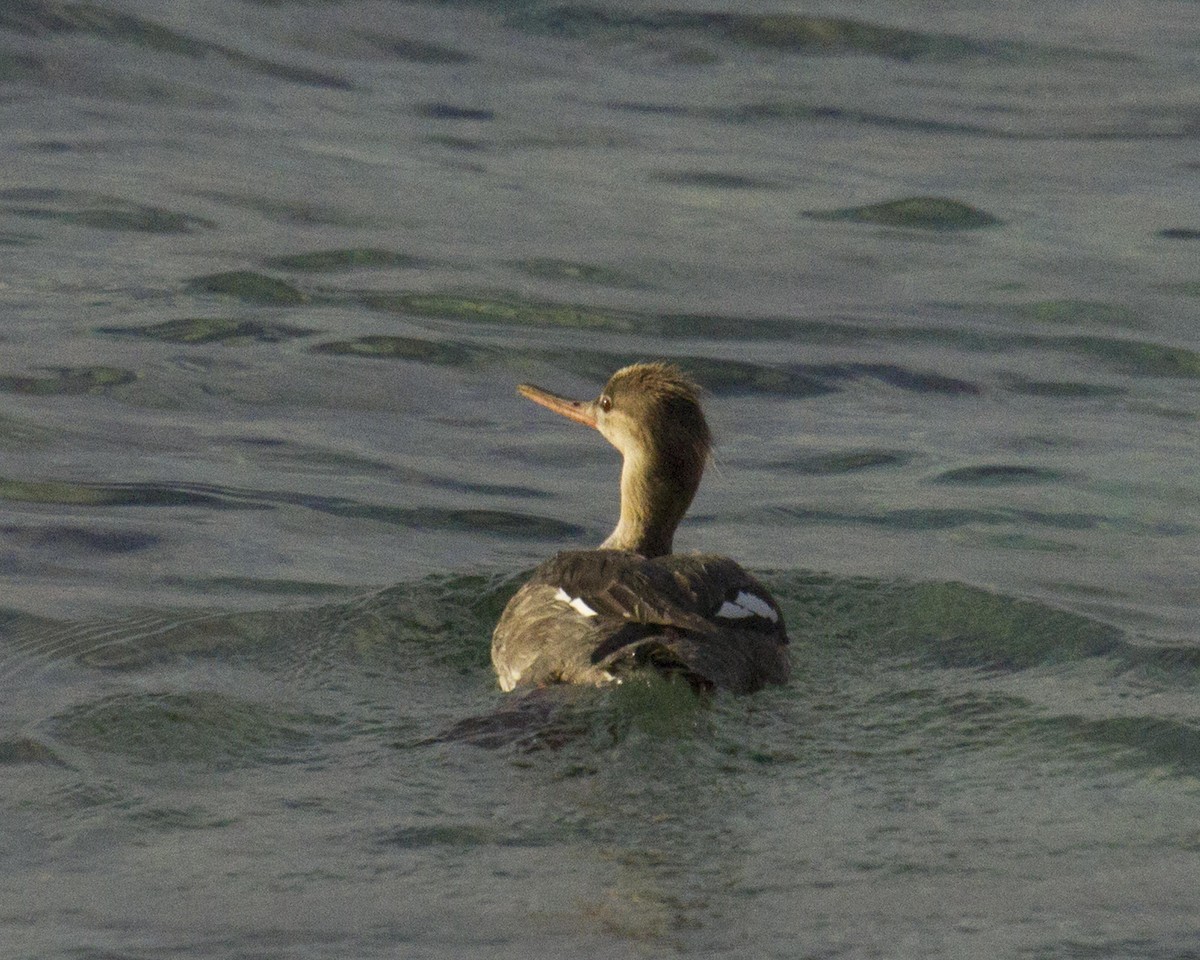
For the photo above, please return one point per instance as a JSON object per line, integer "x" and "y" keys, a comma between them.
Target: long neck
{"x": 656, "y": 491}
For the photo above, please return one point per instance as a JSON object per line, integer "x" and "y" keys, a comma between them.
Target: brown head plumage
{"x": 655, "y": 406}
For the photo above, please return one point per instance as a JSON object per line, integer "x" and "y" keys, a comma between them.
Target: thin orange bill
{"x": 578, "y": 410}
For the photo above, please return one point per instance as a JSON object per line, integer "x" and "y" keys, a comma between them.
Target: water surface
{"x": 271, "y": 273}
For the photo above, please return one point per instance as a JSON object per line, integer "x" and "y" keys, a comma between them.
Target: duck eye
{"x": 606, "y": 403}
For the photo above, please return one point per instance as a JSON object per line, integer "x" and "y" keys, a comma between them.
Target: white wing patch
{"x": 578, "y": 604}
{"x": 746, "y": 605}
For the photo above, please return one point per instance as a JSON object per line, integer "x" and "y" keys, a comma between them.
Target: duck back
{"x": 590, "y": 616}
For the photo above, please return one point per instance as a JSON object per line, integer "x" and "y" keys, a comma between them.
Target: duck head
{"x": 651, "y": 413}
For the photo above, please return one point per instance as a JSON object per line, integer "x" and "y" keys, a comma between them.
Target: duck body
{"x": 590, "y": 616}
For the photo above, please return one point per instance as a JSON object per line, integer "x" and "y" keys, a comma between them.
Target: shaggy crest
{"x": 668, "y": 396}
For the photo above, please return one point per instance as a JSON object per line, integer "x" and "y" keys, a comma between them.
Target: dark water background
{"x": 270, "y": 271}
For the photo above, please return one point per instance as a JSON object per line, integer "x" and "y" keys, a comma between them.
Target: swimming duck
{"x": 590, "y": 616}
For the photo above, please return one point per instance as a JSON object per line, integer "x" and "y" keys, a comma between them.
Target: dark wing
{"x": 724, "y": 593}
{"x": 742, "y": 645}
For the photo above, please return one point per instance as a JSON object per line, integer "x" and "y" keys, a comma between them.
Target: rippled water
{"x": 271, "y": 271}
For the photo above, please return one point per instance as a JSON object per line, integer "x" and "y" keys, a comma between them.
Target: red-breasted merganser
{"x": 587, "y": 616}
